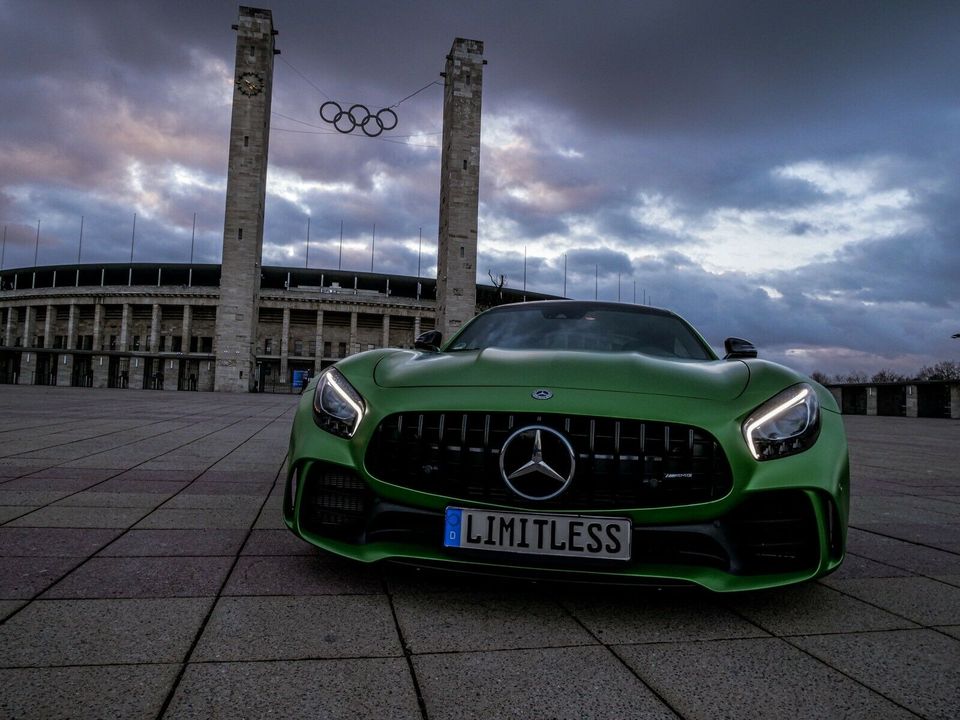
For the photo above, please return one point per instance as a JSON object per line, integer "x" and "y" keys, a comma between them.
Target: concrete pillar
{"x": 155, "y": 318}
{"x": 386, "y": 331}
{"x": 97, "y": 331}
{"x": 65, "y": 366}
{"x": 955, "y": 401}
{"x": 124, "y": 342}
{"x": 72, "y": 320}
{"x": 872, "y": 400}
{"x": 29, "y": 326}
{"x": 101, "y": 370}
{"x": 171, "y": 373}
{"x": 205, "y": 376}
{"x": 28, "y": 369}
{"x": 8, "y": 333}
{"x": 913, "y": 406}
{"x": 318, "y": 355}
{"x": 285, "y": 344}
{"x": 238, "y": 313}
{"x": 48, "y": 326}
{"x": 416, "y": 327}
{"x": 187, "y": 329}
{"x": 136, "y": 372}
{"x": 459, "y": 186}
{"x": 354, "y": 346}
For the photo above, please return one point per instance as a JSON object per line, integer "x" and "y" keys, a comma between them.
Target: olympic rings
{"x": 346, "y": 121}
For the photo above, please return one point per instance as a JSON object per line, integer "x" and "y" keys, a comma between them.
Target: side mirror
{"x": 738, "y": 348}
{"x": 430, "y": 341}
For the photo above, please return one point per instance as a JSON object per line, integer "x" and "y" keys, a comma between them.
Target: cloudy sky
{"x": 786, "y": 172}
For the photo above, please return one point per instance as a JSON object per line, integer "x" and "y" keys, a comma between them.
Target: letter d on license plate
{"x": 580, "y": 536}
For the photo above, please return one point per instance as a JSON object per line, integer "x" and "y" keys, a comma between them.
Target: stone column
{"x": 205, "y": 379}
{"x": 171, "y": 373}
{"x": 136, "y": 372}
{"x": 459, "y": 186}
{"x": 318, "y": 355}
{"x": 29, "y": 325}
{"x": 187, "y": 330}
{"x": 416, "y": 327}
{"x": 155, "y": 329}
{"x": 97, "y": 327}
{"x": 872, "y": 400}
{"x": 72, "y": 327}
{"x": 386, "y": 331}
{"x": 28, "y": 368}
{"x": 48, "y": 326}
{"x": 124, "y": 342}
{"x": 101, "y": 371}
{"x": 913, "y": 406}
{"x": 353, "y": 347}
{"x": 64, "y": 368}
{"x": 285, "y": 345}
{"x": 8, "y": 332}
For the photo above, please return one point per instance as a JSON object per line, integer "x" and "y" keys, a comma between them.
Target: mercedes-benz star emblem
{"x": 537, "y": 462}
{"x": 541, "y": 394}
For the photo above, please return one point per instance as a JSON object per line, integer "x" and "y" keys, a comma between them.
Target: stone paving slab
{"x": 307, "y": 627}
{"x": 53, "y": 542}
{"x": 201, "y": 602}
{"x": 79, "y": 517}
{"x": 48, "y": 633}
{"x": 301, "y": 575}
{"x": 633, "y": 618}
{"x": 757, "y": 678}
{"x": 68, "y": 693}
{"x": 573, "y": 683}
{"x": 813, "y": 609}
{"x": 920, "y": 669}
{"x": 176, "y": 543}
{"x": 11, "y": 512}
{"x": 919, "y": 599}
{"x": 27, "y": 577}
{"x": 143, "y": 577}
{"x": 433, "y": 622}
{"x": 330, "y": 689}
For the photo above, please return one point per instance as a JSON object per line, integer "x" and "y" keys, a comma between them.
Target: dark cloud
{"x": 114, "y": 108}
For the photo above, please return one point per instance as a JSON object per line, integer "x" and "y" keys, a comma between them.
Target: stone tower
{"x": 459, "y": 186}
{"x": 246, "y": 190}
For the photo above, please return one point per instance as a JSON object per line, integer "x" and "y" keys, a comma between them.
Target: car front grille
{"x": 334, "y": 501}
{"x": 620, "y": 464}
{"x": 773, "y": 532}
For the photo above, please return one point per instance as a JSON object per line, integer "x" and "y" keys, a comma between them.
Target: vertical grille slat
{"x": 620, "y": 463}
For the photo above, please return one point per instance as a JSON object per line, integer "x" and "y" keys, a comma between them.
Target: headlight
{"x": 786, "y": 424}
{"x": 337, "y": 407}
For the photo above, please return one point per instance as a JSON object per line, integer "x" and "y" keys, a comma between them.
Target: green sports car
{"x": 577, "y": 440}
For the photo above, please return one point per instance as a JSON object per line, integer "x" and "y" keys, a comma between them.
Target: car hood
{"x": 621, "y": 372}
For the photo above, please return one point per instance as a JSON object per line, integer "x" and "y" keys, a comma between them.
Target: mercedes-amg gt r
{"x": 577, "y": 440}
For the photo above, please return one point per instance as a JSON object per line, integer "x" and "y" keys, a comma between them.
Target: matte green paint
{"x": 714, "y": 395}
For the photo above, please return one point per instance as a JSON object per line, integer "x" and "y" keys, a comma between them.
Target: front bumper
{"x": 783, "y": 521}
{"x": 771, "y": 538}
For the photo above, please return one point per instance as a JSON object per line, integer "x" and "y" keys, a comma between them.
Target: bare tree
{"x": 820, "y": 377}
{"x": 498, "y": 284}
{"x": 887, "y": 376}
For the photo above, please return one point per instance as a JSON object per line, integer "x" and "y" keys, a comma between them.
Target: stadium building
{"x": 239, "y": 326}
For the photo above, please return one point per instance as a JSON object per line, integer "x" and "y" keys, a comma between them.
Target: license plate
{"x": 581, "y": 536}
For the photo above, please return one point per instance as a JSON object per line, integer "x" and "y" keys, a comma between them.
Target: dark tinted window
{"x": 582, "y": 326}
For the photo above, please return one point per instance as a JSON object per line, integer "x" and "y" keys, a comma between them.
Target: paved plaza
{"x": 145, "y": 572}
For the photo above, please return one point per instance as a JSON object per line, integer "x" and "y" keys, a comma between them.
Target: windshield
{"x": 582, "y": 326}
